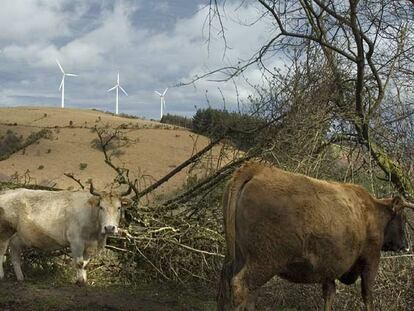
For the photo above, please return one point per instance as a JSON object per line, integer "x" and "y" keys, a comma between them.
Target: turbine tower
{"x": 62, "y": 84}
{"x": 117, "y": 87}
{"x": 162, "y": 99}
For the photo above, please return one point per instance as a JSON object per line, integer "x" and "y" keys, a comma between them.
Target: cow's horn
{"x": 92, "y": 190}
{"x": 127, "y": 192}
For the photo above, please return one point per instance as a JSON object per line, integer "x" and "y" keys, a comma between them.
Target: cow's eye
{"x": 101, "y": 207}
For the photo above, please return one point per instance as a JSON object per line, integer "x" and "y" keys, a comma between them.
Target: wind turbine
{"x": 62, "y": 84}
{"x": 162, "y": 99}
{"x": 117, "y": 87}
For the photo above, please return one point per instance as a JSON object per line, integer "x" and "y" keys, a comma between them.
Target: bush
{"x": 82, "y": 166}
{"x": 11, "y": 143}
{"x": 96, "y": 144}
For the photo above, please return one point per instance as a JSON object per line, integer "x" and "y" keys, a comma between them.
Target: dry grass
{"x": 154, "y": 148}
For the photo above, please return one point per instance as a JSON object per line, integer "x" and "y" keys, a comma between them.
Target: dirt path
{"x": 34, "y": 296}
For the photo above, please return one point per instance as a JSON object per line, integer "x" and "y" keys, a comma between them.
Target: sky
{"x": 153, "y": 44}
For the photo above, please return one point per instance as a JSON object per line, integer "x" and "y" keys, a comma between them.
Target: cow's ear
{"x": 94, "y": 201}
{"x": 126, "y": 202}
{"x": 398, "y": 203}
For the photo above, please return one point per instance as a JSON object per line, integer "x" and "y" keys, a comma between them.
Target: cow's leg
{"x": 77, "y": 250}
{"x": 16, "y": 256}
{"x": 81, "y": 277}
{"x": 239, "y": 289}
{"x": 244, "y": 298}
{"x": 251, "y": 301}
{"x": 328, "y": 289}
{"x": 246, "y": 283}
{"x": 86, "y": 259}
{"x": 224, "y": 291}
{"x": 4, "y": 243}
{"x": 367, "y": 281}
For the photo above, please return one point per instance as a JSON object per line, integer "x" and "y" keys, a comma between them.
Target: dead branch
{"x": 179, "y": 168}
{"x": 11, "y": 185}
{"x": 210, "y": 181}
{"x": 71, "y": 176}
{"x": 122, "y": 173}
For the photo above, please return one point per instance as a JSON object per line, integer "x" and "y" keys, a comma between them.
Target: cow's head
{"x": 395, "y": 235}
{"x": 111, "y": 207}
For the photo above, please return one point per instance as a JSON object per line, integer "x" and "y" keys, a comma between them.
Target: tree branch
{"x": 71, "y": 176}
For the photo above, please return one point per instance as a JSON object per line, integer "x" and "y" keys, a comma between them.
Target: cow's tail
{"x": 230, "y": 197}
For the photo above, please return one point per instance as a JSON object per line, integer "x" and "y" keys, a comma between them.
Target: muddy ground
{"x": 51, "y": 287}
{"x": 32, "y": 295}
{"x": 276, "y": 296}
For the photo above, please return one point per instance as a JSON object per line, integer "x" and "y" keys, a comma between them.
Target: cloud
{"x": 23, "y": 21}
{"x": 96, "y": 39}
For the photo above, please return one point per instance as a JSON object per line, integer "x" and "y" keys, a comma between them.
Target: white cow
{"x": 55, "y": 220}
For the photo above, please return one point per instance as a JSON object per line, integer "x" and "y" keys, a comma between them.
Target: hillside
{"x": 154, "y": 149}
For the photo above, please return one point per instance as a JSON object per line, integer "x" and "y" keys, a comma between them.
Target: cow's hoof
{"x": 81, "y": 283}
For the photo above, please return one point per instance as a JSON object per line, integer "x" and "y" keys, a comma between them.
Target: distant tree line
{"x": 214, "y": 123}
{"x": 177, "y": 120}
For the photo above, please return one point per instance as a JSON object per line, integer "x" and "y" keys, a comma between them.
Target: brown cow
{"x": 304, "y": 230}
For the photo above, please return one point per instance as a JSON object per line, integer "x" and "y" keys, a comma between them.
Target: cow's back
{"x": 303, "y": 228}
{"x": 42, "y": 218}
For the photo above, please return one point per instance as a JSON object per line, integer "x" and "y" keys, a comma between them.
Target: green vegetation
{"x": 83, "y": 166}
{"x": 11, "y": 143}
{"x": 177, "y": 120}
{"x": 240, "y": 128}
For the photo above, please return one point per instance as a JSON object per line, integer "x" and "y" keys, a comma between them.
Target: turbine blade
{"x": 165, "y": 91}
{"x": 158, "y": 93}
{"x": 111, "y": 89}
{"x": 123, "y": 90}
{"x": 118, "y": 78}
{"x": 60, "y": 66}
{"x": 61, "y": 83}
{"x": 71, "y": 75}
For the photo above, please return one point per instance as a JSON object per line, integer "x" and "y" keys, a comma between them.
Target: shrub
{"x": 82, "y": 166}
{"x": 9, "y": 144}
{"x": 117, "y": 153}
{"x": 41, "y": 167}
{"x": 96, "y": 144}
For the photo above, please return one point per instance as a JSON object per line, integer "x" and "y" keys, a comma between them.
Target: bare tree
{"x": 366, "y": 49}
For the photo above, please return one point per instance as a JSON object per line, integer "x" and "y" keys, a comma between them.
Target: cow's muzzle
{"x": 111, "y": 229}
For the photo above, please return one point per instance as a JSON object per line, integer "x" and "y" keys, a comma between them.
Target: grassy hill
{"x": 153, "y": 150}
